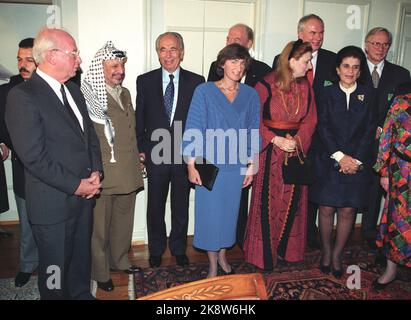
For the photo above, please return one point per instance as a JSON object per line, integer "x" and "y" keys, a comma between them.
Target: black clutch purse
{"x": 297, "y": 169}
{"x": 208, "y": 172}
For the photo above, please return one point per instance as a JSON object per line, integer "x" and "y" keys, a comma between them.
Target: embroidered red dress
{"x": 272, "y": 201}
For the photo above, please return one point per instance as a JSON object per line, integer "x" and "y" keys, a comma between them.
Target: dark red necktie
{"x": 310, "y": 76}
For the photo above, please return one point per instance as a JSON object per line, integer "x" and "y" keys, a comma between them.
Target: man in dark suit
{"x": 311, "y": 29}
{"x": 28, "y": 248}
{"x": 385, "y": 77}
{"x": 243, "y": 35}
{"x": 54, "y": 138}
{"x": 163, "y": 99}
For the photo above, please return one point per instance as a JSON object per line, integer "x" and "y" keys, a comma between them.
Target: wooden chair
{"x": 233, "y": 287}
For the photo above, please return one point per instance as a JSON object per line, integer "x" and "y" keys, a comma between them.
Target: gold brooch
{"x": 360, "y": 97}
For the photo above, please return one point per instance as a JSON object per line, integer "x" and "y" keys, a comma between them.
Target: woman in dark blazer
{"x": 346, "y": 125}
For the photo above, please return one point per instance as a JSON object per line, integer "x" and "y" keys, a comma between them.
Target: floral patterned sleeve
{"x": 386, "y": 138}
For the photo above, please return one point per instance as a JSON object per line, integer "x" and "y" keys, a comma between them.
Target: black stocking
{"x": 326, "y": 223}
{"x": 345, "y": 221}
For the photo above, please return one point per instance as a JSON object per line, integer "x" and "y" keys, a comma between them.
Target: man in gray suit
{"x": 55, "y": 139}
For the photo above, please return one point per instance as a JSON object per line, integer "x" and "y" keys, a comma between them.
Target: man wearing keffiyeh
{"x": 109, "y": 106}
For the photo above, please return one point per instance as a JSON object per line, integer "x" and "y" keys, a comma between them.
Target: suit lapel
{"x": 83, "y": 111}
{"x": 250, "y": 76}
{"x": 318, "y": 75}
{"x": 158, "y": 93}
{"x": 46, "y": 92}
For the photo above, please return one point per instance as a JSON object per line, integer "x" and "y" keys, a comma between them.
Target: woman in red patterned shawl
{"x": 394, "y": 165}
{"x": 276, "y": 227}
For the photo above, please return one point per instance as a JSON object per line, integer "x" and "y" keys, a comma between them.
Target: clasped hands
{"x": 287, "y": 144}
{"x": 89, "y": 187}
{"x": 348, "y": 165}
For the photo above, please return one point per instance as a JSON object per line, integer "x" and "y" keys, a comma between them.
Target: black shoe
{"x": 337, "y": 273}
{"x": 325, "y": 269}
{"x": 155, "y": 261}
{"x": 106, "y": 286}
{"x": 133, "y": 270}
{"x": 228, "y": 273}
{"x": 223, "y": 271}
{"x": 376, "y": 286}
{"x": 182, "y": 260}
{"x": 21, "y": 279}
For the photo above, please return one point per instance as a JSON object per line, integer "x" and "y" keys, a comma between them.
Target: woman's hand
{"x": 248, "y": 179}
{"x": 285, "y": 144}
{"x": 348, "y": 165}
{"x": 193, "y": 175}
{"x": 384, "y": 182}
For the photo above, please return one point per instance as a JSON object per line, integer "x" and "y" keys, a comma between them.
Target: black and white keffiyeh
{"x": 94, "y": 91}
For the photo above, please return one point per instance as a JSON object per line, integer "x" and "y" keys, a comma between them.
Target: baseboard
{"x": 9, "y": 222}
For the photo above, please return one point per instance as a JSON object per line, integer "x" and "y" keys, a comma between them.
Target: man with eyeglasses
{"x": 384, "y": 77}
{"x": 54, "y": 138}
{"x": 110, "y": 108}
{"x": 163, "y": 99}
{"x": 28, "y": 248}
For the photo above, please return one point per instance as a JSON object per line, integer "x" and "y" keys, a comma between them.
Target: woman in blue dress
{"x": 343, "y": 165}
{"x": 222, "y": 127}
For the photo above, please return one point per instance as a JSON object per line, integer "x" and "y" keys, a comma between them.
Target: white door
{"x": 404, "y": 41}
{"x": 204, "y": 26}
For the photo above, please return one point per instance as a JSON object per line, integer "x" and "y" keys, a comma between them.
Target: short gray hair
{"x": 303, "y": 21}
{"x": 249, "y": 32}
{"x": 169, "y": 33}
{"x": 44, "y": 41}
{"x": 377, "y": 30}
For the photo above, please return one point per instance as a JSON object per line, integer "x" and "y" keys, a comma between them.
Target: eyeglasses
{"x": 74, "y": 53}
{"x": 379, "y": 45}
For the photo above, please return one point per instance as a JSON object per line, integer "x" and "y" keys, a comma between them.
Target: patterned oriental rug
{"x": 293, "y": 281}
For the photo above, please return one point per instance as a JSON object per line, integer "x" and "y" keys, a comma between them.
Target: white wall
{"x": 18, "y": 21}
{"x": 282, "y": 18}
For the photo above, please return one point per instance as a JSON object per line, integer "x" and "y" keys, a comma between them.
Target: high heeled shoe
{"x": 325, "y": 269}
{"x": 337, "y": 273}
{"x": 377, "y": 286}
{"x": 225, "y": 272}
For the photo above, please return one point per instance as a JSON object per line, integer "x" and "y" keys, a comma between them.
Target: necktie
{"x": 169, "y": 97}
{"x": 68, "y": 108}
{"x": 310, "y": 76}
{"x": 375, "y": 77}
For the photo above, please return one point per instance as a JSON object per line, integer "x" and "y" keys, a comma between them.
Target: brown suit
{"x": 114, "y": 211}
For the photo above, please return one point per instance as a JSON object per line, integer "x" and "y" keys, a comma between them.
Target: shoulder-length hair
{"x": 354, "y": 52}
{"x": 231, "y": 52}
{"x": 283, "y": 72}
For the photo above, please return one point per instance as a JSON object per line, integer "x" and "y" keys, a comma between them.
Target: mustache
{"x": 121, "y": 74}
{"x": 23, "y": 69}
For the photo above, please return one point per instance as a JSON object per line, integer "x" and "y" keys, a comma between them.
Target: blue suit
{"x": 352, "y": 132}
